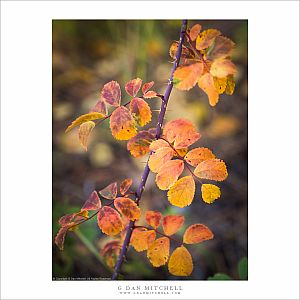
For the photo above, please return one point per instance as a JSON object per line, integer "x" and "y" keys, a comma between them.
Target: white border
{"x": 273, "y": 146}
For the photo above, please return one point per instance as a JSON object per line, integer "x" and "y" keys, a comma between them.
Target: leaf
{"x": 150, "y": 94}
{"x": 172, "y": 223}
{"x": 139, "y": 144}
{"x": 210, "y": 193}
{"x": 197, "y": 233}
{"x": 206, "y": 38}
{"x": 66, "y": 219}
{"x": 110, "y": 252}
{"x": 198, "y": 155}
{"x": 186, "y": 52}
{"x": 111, "y": 93}
{"x": 147, "y": 86}
{"x": 153, "y": 218}
{"x": 206, "y": 83}
{"x": 243, "y": 268}
{"x": 159, "y": 158}
{"x": 109, "y": 192}
{"x": 140, "y": 111}
{"x": 169, "y": 173}
{"x": 60, "y": 237}
{"x": 219, "y": 276}
{"x": 182, "y": 132}
{"x": 182, "y": 193}
{"x": 122, "y": 124}
{"x": 182, "y": 152}
{"x": 92, "y": 203}
{"x": 141, "y": 239}
{"x": 186, "y": 77}
{"x": 100, "y": 107}
{"x": 157, "y": 144}
{"x": 181, "y": 263}
{"x": 159, "y": 251}
{"x": 84, "y": 118}
{"x": 125, "y": 185}
{"x": 84, "y": 132}
{"x": 230, "y": 85}
{"x": 220, "y": 84}
{"x": 221, "y": 48}
{"x": 109, "y": 221}
{"x": 128, "y": 208}
{"x": 222, "y": 67}
{"x": 195, "y": 30}
{"x": 133, "y": 86}
{"x": 213, "y": 169}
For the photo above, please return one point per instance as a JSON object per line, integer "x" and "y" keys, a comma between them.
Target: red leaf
{"x": 92, "y": 203}
{"x": 147, "y": 86}
{"x": 125, "y": 185}
{"x": 100, "y": 107}
{"x": 111, "y": 93}
{"x": 139, "y": 144}
{"x": 60, "y": 237}
{"x": 109, "y": 192}
{"x": 140, "y": 111}
{"x": 153, "y": 218}
{"x": 133, "y": 86}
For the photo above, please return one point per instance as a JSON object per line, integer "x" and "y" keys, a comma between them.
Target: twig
{"x": 157, "y": 135}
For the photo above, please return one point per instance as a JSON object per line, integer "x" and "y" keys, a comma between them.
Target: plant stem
{"x": 145, "y": 174}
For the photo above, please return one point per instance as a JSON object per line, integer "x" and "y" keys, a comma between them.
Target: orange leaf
{"x": 206, "y": 38}
{"x": 181, "y": 132}
{"x": 84, "y": 118}
{"x": 198, "y": 155}
{"x": 128, "y": 208}
{"x": 141, "y": 239}
{"x": 150, "y": 94}
{"x": 171, "y": 224}
{"x": 84, "y": 132}
{"x": 92, "y": 203}
{"x": 181, "y": 263}
{"x": 140, "y": 111}
{"x": 110, "y": 252}
{"x": 133, "y": 86}
{"x": 186, "y": 77}
{"x": 109, "y": 192}
{"x": 197, "y": 233}
{"x": 125, "y": 185}
{"x": 159, "y": 158}
{"x": 60, "y": 237}
{"x": 169, "y": 173}
{"x": 186, "y": 53}
{"x": 109, "y": 221}
{"x": 139, "y": 144}
{"x": 182, "y": 193}
{"x": 153, "y": 218}
{"x": 206, "y": 83}
{"x": 213, "y": 169}
{"x": 122, "y": 124}
{"x": 100, "y": 107}
{"x": 157, "y": 144}
{"x": 147, "y": 86}
{"x": 111, "y": 93}
{"x": 222, "y": 67}
{"x": 159, "y": 251}
{"x": 195, "y": 30}
{"x": 221, "y": 48}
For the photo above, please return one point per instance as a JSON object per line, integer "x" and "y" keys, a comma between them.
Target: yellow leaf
{"x": 210, "y": 193}
{"x": 186, "y": 77}
{"x": 122, "y": 124}
{"x": 159, "y": 158}
{"x": 197, "y": 233}
{"x": 230, "y": 85}
{"x": 213, "y": 169}
{"x": 169, "y": 173}
{"x": 220, "y": 84}
{"x": 206, "y": 38}
{"x": 222, "y": 67}
{"x": 172, "y": 223}
{"x": 139, "y": 144}
{"x": 186, "y": 52}
{"x": 206, "y": 83}
{"x": 182, "y": 193}
{"x": 198, "y": 155}
{"x": 141, "y": 239}
{"x": 84, "y": 132}
{"x": 128, "y": 208}
{"x": 159, "y": 251}
{"x": 180, "y": 263}
{"x": 140, "y": 111}
{"x": 84, "y": 118}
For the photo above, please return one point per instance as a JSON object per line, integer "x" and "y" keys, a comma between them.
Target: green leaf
{"x": 220, "y": 276}
{"x": 243, "y": 268}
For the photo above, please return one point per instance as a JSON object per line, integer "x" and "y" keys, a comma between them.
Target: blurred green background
{"x": 86, "y": 55}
